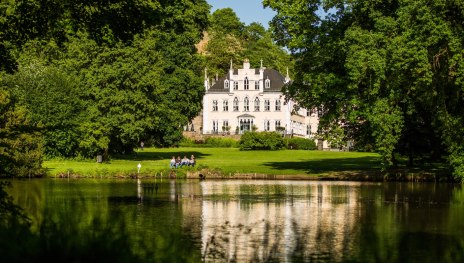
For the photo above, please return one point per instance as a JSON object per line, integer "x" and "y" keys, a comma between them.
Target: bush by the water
{"x": 297, "y": 143}
{"x": 261, "y": 141}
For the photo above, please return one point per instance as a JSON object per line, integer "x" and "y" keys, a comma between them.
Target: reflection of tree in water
{"x": 220, "y": 247}
{"x": 272, "y": 246}
{"x": 86, "y": 233}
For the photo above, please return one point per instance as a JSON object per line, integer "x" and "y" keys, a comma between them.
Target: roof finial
{"x": 231, "y": 66}
{"x": 261, "y": 63}
{"x": 287, "y": 78}
{"x": 206, "y": 73}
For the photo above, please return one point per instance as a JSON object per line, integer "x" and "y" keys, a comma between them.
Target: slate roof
{"x": 277, "y": 81}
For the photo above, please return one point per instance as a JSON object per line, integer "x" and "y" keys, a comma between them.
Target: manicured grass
{"x": 227, "y": 160}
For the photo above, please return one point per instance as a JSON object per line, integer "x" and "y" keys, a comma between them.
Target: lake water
{"x": 256, "y": 221}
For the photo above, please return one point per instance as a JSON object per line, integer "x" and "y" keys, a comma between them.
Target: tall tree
{"x": 230, "y": 39}
{"x": 132, "y": 66}
{"x": 225, "y": 21}
{"x": 53, "y": 98}
{"x": 389, "y": 70}
{"x": 20, "y": 142}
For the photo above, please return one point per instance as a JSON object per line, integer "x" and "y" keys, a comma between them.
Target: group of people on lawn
{"x": 178, "y": 162}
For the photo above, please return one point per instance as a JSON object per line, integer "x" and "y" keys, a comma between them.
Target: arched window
{"x": 246, "y": 83}
{"x": 235, "y": 85}
{"x": 246, "y": 104}
{"x": 226, "y": 84}
{"x": 267, "y": 84}
{"x": 256, "y": 104}
{"x": 235, "y": 104}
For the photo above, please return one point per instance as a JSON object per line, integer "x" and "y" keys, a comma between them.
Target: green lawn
{"x": 228, "y": 160}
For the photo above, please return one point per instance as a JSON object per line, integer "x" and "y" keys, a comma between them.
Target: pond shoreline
{"x": 362, "y": 176}
{"x": 374, "y": 176}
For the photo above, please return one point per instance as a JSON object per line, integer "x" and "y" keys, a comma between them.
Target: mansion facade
{"x": 249, "y": 99}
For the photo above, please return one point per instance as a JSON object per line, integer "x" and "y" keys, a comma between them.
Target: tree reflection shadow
{"x": 329, "y": 165}
{"x": 83, "y": 233}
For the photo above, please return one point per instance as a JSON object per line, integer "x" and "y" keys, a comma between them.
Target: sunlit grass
{"x": 228, "y": 160}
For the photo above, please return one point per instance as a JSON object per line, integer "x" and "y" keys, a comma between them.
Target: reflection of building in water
{"x": 261, "y": 220}
{"x": 187, "y": 195}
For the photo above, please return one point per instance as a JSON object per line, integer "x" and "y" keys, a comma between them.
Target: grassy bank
{"x": 230, "y": 162}
{"x": 226, "y": 160}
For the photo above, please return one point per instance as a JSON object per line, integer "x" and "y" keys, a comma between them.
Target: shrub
{"x": 261, "y": 141}
{"x": 221, "y": 142}
{"x": 186, "y": 142}
{"x": 300, "y": 144}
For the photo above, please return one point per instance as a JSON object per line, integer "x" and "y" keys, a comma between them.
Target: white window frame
{"x": 267, "y": 125}
{"x": 267, "y": 84}
{"x": 267, "y": 105}
{"x": 277, "y": 124}
{"x": 236, "y": 104}
{"x": 256, "y": 104}
{"x": 278, "y": 105}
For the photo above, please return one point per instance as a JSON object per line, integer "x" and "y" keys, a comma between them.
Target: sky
{"x": 247, "y": 10}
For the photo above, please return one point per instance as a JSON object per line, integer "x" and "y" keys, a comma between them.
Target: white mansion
{"x": 247, "y": 99}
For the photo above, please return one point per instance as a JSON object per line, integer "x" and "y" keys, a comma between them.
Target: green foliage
{"x": 98, "y": 77}
{"x": 225, "y": 21}
{"x": 261, "y": 141}
{"x": 215, "y": 142}
{"x": 54, "y": 100}
{"x": 335, "y": 136}
{"x": 187, "y": 142}
{"x": 222, "y": 142}
{"x": 390, "y": 71}
{"x": 20, "y": 143}
{"x": 297, "y": 143}
{"x": 229, "y": 39}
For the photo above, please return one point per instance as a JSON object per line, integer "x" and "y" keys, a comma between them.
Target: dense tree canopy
{"x": 97, "y": 77}
{"x": 230, "y": 39}
{"x": 390, "y": 71}
{"x": 20, "y": 142}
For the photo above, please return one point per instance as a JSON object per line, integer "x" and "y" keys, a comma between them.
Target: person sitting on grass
{"x": 178, "y": 162}
{"x": 184, "y": 161}
{"x": 172, "y": 163}
{"x": 192, "y": 160}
